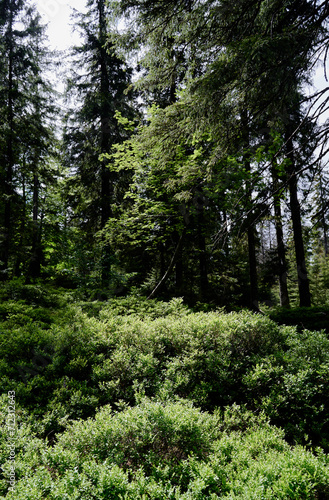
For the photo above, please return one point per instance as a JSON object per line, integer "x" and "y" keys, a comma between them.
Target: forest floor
{"x": 136, "y": 399}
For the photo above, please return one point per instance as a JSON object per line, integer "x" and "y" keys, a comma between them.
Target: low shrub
{"x": 163, "y": 450}
{"x": 65, "y": 363}
{"x": 305, "y": 318}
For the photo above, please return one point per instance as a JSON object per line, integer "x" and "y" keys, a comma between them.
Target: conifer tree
{"x": 97, "y": 90}
{"x": 251, "y": 57}
{"x": 26, "y": 135}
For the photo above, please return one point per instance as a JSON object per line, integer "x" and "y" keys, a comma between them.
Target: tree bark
{"x": 179, "y": 272}
{"x": 323, "y": 220}
{"x": 303, "y": 281}
{"x": 36, "y": 256}
{"x": 22, "y": 230}
{"x": 106, "y": 188}
{"x": 281, "y": 250}
{"x": 8, "y": 190}
{"x": 202, "y": 255}
{"x": 253, "y": 275}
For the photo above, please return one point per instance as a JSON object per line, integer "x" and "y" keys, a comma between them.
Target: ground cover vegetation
{"x": 164, "y": 272}
{"x": 132, "y": 398}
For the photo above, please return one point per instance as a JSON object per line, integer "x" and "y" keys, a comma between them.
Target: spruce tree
{"x": 96, "y": 91}
{"x": 26, "y": 134}
{"x": 250, "y": 58}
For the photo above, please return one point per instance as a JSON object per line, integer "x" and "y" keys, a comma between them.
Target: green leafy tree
{"x": 248, "y": 59}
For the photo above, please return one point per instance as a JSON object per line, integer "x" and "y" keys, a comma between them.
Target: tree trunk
{"x": 36, "y": 256}
{"x": 303, "y": 281}
{"x": 22, "y": 229}
{"x": 173, "y": 261}
{"x": 283, "y": 288}
{"x": 179, "y": 273}
{"x": 323, "y": 219}
{"x": 253, "y": 275}
{"x": 202, "y": 255}
{"x": 253, "y": 268}
{"x": 106, "y": 188}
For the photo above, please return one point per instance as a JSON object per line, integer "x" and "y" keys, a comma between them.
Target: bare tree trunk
{"x": 8, "y": 189}
{"x": 281, "y": 250}
{"x": 106, "y": 181}
{"x": 253, "y": 268}
{"x": 202, "y": 256}
{"x": 253, "y": 275}
{"x": 303, "y": 281}
{"x": 323, "y": 220}
{"x": 179, "y": 272}
{"x": 22, "y": 229}
{"x": 36, "y": 256}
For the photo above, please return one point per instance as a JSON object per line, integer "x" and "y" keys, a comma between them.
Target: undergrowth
{"x": 131, "y": 398}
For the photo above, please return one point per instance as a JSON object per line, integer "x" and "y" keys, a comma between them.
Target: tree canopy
{"x": 192, "y": 149}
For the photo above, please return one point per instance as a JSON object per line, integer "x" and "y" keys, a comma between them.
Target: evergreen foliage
{"x": 27, "y": 140}
{"x": 95, "y": 93}
{"x": 186, "y": 185}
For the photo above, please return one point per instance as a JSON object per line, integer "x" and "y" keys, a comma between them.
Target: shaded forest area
{"x": 180, "y": 180}
{"x": 189, "y": 158}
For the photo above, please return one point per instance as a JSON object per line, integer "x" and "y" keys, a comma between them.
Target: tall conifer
{"x": 25, "y": 132}
{"x": 96, "y": 90}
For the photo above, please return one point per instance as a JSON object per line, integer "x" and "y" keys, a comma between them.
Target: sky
{"x": 56, "y": 14}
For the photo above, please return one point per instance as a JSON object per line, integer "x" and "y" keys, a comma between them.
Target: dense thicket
{"x": 148, "y": 399}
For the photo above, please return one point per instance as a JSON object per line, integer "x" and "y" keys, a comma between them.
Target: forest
{"x": 187, "y": 157}
{"x": 164, "y": 253}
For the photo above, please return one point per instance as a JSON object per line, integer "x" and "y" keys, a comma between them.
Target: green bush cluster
{"x": 309, "y": 318}
{"x": 127, "y": 397}
{"x": 69, "y": 362}
{"x": 134, "y": 305}
{"x": 168, "y": 450}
